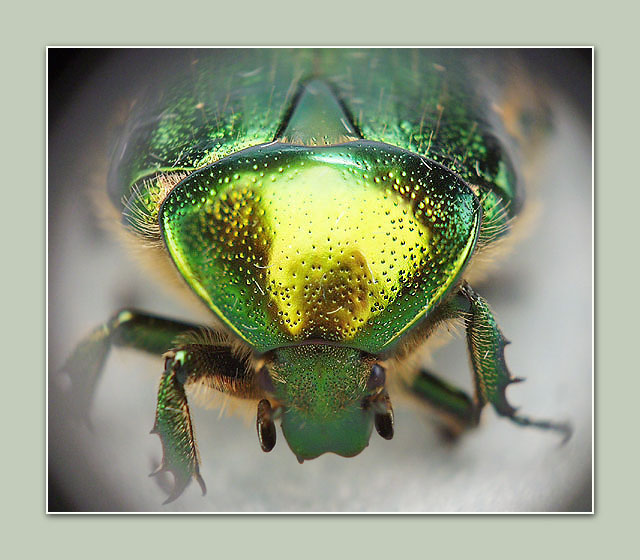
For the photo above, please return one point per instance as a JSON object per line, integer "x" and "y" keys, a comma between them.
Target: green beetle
{"x": 330, "y": 208}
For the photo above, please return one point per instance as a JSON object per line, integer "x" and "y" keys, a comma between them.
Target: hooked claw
{"x": 181, "y": 479}
{"x": 173, "y": 426}
{"x": 181, "y": 469}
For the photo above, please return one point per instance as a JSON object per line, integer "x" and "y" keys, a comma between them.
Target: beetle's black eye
{"x": 377, "y": 377}
{"x": 265, "y": 381}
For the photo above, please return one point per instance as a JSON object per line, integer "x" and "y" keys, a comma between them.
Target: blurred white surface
{"x": 542, "y": 296}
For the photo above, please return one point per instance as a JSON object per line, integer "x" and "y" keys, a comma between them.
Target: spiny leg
{"x": 491, "y": 376}
{"x": 486, "y": 348}
{"x": 218, "y": 367}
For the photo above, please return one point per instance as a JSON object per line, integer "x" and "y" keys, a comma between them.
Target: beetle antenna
{"x": 265, "y": 426}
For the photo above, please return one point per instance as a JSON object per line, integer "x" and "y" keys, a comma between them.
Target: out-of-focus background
{"x": 542, "y": 297}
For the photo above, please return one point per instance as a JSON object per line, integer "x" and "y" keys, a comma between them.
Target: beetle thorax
{"x": 349, "y": 243}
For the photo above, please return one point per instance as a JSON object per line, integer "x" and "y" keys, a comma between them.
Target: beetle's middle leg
{"x": 128, "y": 328}
{"x": 454, "y": 407}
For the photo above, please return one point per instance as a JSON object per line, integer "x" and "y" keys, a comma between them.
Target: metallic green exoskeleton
{"x": 328, "y": 207}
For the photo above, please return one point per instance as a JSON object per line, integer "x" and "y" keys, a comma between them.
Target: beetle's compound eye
{"x": 264, "y": 380}
{"x": 265, "y": 426}
{"x": 377, "y": 377}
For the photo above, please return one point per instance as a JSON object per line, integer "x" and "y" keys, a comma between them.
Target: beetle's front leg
{"x": 491, "y": 376}
{"x": 218, "y": 367}
{"x": 486, "y": 348}
{"x": 173, "y": 425}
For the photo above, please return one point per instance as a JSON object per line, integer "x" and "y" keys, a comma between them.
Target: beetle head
{"x": 330, "y": 397}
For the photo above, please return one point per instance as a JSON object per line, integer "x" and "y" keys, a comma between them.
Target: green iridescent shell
{"x": 354, "y": 224}
{"x": 350, "y": 243}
